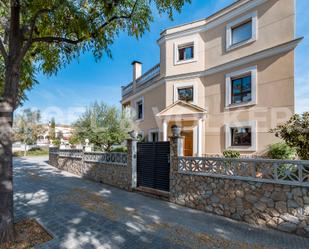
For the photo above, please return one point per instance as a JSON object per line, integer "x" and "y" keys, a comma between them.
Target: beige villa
{"x": 225, "y": 80}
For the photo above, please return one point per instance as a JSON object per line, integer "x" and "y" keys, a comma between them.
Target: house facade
{"x": 225, "y": 80}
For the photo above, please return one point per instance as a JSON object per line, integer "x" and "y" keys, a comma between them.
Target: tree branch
{"x": 32, "y": 27}
{"x": 53, "y": 39}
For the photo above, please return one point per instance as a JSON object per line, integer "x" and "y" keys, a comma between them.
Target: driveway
{"x": 84, "y": 214}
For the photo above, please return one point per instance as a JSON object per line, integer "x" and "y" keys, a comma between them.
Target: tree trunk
{"x": 7, "y": 106}
{"x": 6, "y": 173}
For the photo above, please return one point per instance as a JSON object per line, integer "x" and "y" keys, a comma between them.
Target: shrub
{"x": 119, "y": 149}
{"x": 295, "y": 133}
{"x": 57, "y": 142}
{"x": 231, "y": 154}
{"x": 281, "y": 151}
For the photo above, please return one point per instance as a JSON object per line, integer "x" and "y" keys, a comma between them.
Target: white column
{"x": 199, "y": 137}
{"x": 164, "y": 130}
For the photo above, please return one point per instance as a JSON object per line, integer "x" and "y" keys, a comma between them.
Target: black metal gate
{"x": 153, "y": 165}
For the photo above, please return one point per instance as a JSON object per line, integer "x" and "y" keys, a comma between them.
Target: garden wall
{"x": 108, "y": 168}
{"x": 251, "y": 190}
{"x": 272, "y": 193}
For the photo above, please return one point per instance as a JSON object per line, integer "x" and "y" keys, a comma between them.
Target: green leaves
{"x": 295, "y": 133}
{"x": 103, "y": 125}
{"x": 55, "y": 32}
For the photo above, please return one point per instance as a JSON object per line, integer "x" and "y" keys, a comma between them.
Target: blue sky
{"x": 65, "y": 95}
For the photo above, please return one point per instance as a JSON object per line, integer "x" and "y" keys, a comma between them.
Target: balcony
{"x": 145, "y": 80}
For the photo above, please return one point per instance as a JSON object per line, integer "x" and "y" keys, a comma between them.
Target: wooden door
{"x": 188, "y": 143}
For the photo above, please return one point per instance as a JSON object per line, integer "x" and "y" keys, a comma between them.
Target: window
{"x": 186, "y": 52}
{"x": 153, "y": 135}
{"x": 241, "y": 31}
{"x": 139, "y": 105}
{"x": 241, "y": 136}
{"x": 186, "y": 91}
{"x": 185, "y": 94}
{"x": 241, "y": 88}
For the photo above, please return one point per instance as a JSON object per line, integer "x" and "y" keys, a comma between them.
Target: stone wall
{"x": 72, "y": 165}
{"x": 115, "y": 175}
{"x": 53, "y": 157}
{"x": 78, "y": 163}
{"x": 282, "y": 207}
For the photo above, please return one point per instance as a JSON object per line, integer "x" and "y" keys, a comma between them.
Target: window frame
{"x": 228, "y": 87}
{"x": 242, "y": 92}
{"x": 184, "y": 47}
{"x": 150, "y": 132}
{"x": 136, "y": 108}
{"x": 228, "y": 136}
{"x": 183, "y": 43}
{"x": 182, "y": 88}
{"x": 253, "y": 17}
{"x": 182, "y": 85}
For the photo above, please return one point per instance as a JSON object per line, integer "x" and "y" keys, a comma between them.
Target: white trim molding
{"x": 210, "y": 24}
{"x": 263, "y": 54}
{"x": 136, "y": 109}
{"x": 184, "y": 42}
{"x": 253, "y": 17}
{"x": 180, "y": 85}
{"x": 228, "y": 87}
{"x": 228, "y": 139}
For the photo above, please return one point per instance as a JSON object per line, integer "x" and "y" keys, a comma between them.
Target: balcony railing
{"x": 150, "y": 74}
{"x": 146, "y": 77}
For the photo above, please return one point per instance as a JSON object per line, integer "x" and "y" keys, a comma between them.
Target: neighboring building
{"x": 226, "y": 80}
{"x": 61, "y": 131}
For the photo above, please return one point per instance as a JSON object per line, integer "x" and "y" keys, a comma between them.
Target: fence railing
{"x": 71, "y": 153}
{"x": 95, "y": 157}
{"x": 290, "y": 172}
{"x": 110, "y": 158}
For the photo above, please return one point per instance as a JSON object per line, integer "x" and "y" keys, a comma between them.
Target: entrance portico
{"x": 190, "y": 118}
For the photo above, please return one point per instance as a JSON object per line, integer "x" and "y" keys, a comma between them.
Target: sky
{"x": 65, "y": 95}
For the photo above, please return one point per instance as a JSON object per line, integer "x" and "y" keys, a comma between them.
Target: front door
{"x": 188, "y": 143}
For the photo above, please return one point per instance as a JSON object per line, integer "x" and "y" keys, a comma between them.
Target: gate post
{"x": 132, "y": 162}
{"x": 175, "y": 151}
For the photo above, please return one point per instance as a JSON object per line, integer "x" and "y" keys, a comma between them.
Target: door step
{"x": 155, "y": 193}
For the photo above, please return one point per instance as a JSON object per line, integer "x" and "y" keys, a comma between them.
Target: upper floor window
{"x": 186, "y": 52}
{"x": 185, "y": 94}
{"x": 241, "y": 31}
{"x": 241, "y": 88}
{"x": 186, "y": 91}
{"x": 139, "y": 109}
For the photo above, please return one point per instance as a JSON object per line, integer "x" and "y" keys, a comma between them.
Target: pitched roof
{"x": 181, "y": 108}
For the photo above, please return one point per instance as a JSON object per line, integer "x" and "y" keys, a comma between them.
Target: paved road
{"x": 85, "y": 214}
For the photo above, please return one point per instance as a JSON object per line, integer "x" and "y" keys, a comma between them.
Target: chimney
{"x": 137, "y": 71}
